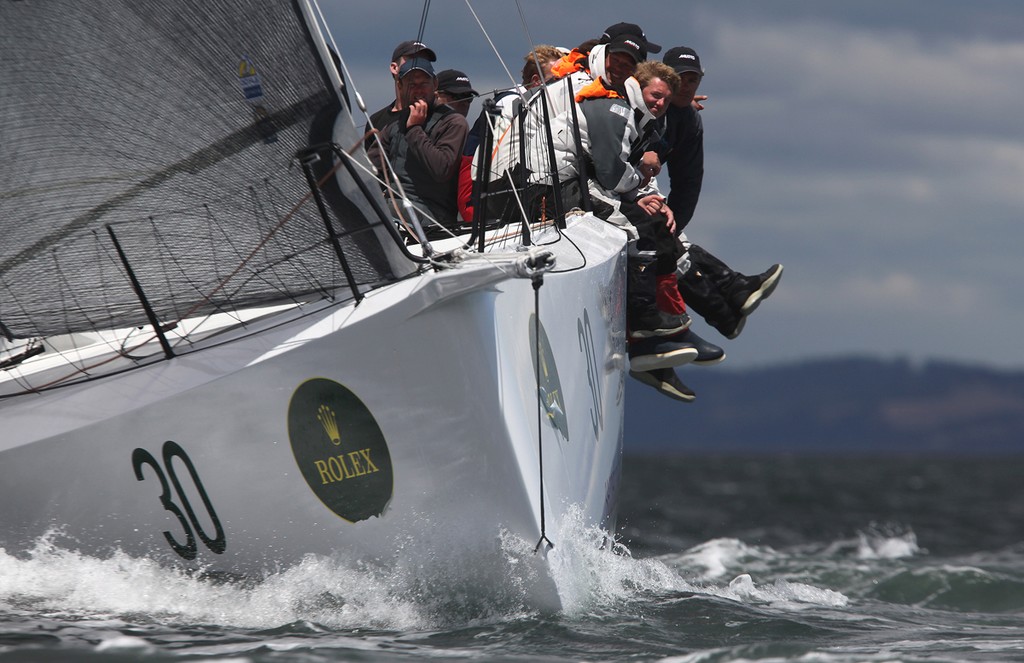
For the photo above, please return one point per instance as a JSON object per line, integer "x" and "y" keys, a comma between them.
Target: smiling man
{"x": 621, "y": 124}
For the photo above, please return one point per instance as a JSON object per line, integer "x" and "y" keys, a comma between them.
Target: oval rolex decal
{"x": 340, "y": 449}
{"x": 550, "y": 387}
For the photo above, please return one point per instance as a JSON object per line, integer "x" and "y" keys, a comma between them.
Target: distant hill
{"x": 849, "y": 405}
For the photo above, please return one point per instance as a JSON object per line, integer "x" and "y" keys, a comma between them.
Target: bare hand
{"x": 650, "y": 204}
{"x": 650, "y": 164}
{"x": 417, "y": 114}
{"x": 653, "y": 204}
{"x": 670, "y": 219}
{"x": 697, "y": 99}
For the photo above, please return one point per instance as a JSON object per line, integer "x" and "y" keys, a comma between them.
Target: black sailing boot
{"x": 643, "y": 317}
{"x": 701, "y": 295}
{"x": 648, "y": 354}
{"x": 667, "y": 382}
{"x": 658, "y": 355}
{"x": 744, "y": 293}
{"x": 707, "y": 353}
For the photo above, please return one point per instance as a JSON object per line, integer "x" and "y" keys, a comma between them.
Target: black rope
{"x": 556, "y": 185}
{"x": 577, "y": 139}
{"x": 538, "y": 281}
{"x": 423, "y": 21}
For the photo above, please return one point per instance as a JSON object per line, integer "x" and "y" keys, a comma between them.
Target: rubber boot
{"x": 648, "y": 354}
{"x": 643, "y": 317}
{"x": 704, "y": 298}
{"x": 707, "y": 353}
{"x": 757, "y": 288}
{"x": 743, "y": 293}
{"x": 666, "y": 382}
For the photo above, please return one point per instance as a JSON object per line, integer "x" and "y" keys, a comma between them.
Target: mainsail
{"x": 171, "y": 126}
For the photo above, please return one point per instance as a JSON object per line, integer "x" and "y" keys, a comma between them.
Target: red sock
{"x": 669, "y": 299}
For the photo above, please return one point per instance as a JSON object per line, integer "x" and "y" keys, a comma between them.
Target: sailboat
{"x": 219, "y": 350}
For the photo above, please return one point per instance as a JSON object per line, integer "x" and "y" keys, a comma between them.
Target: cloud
{"x": 904, "y": 293}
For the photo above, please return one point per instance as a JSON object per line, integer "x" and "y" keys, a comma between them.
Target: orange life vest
{"x": 596, "y": 90}
{"x": 569, "y": 64}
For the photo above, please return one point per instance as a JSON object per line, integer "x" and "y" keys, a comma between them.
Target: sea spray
{"x": 317, "y": 590}
{"x": 591, "y": 569}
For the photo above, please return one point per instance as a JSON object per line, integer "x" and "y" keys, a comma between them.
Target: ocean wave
{"x": 317, "y": 590}
{"x": 954, "y": 588}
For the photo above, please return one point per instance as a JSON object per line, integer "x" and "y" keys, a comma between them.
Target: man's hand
{"x": 650, "y": 204}
{"x": 417, "y": 114}
{"x": 697, "y": 99}
{"x": 670, "y": 219}
{"x": 654, "y": 204}
{"x": 650, "y": 164}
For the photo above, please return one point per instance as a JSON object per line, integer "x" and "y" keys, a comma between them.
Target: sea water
{"x": 768, "y": 558}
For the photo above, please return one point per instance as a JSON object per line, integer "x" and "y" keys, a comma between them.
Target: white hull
{"x": 444, "y": 367}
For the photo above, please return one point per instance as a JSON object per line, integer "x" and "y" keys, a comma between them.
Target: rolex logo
{"x": 325, "y": 416}
{"x": 355, "y": 480}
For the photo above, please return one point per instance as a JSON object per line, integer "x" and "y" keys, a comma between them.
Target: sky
{"x": 875, "y": 148}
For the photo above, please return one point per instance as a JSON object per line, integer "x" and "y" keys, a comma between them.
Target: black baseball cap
{"x": 416, "y": 63}
{"x": 633, "y": 29}
{"x": 631, "y": 45}
{"x": 407, "y": 48}
{"x": 455, "y": 83}
{"x": 683, "y": 58}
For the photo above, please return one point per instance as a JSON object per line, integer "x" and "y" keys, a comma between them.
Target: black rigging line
{"x": 423, "y": 20}
{"x": 538, "y": 281}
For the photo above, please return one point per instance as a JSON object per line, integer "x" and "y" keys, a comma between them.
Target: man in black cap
{"x": 454, "y": 89}
{"x": 625, "y": 38}
{"x": 602, "y": 72}
{"x": 622, "y": 40}
{"x": 424, "y": 146}
{"x": 630, "y": 30}
{"x": 407, "y": 50}
{"x": 724, "y": 298}
{"x": 684, "y": 136}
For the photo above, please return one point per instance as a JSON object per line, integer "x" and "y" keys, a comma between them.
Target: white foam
{"x": 783, "y": 593}
{"x": 123, "y": 642}
{"x": 879, "y": 543}
{"x": 589, "y": 575}
{"x": 317, "y": 591}
{"x": 716, "y": 558}
{"x": 590, "y": 569}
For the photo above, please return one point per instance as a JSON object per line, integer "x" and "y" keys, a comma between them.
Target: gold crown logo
{"x": 325, "y": 416}
{"x": 246, "y": 68}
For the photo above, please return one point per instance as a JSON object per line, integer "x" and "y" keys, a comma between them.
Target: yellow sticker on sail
{"x": 246, "y": 68}
{"x": 252, "y": 85}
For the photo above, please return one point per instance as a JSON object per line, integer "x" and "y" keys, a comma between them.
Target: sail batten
{"x": 176, "y": 122}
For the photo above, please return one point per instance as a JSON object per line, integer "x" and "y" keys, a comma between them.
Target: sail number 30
{"x": 190, "y": 524}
